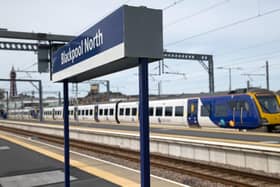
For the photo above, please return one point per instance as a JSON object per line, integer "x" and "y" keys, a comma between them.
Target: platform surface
{"x": 24, "y": 167}
{"x": 26, "y": 162}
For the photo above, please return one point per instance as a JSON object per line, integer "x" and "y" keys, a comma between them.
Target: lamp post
{"x": 229, "y": 71}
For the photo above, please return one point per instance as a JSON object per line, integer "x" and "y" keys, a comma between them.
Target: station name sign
{"x": 86, "y": 45}
{"x": 113, "y": 44}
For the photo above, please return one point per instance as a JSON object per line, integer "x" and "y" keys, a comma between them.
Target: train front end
{"x": 268, "y": 104}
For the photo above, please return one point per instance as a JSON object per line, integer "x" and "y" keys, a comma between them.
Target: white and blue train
{"x": 248, "y": 110}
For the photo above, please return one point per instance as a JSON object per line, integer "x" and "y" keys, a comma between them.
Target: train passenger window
{"x": 237, "y": 105}
{"x": 158, "y": 111}
{"x": 205, "y": 110}
{"x": 111, "y": 111}
{"x": 168, "y": 111}
{"x": 101, "y": 112}
{"x": 134, "y": 111}
{"x": 90, "y": 112}
{"x": 83, "y": 112}
{"x": 179, "y": 111}
{"x": 246, "y": 106}
{"x": 221, "y": 110}
{"x": 121, "y": 112}
{"x": 151, "y": 111}
{"x": 106, "y": 112}
{"x": 86, "y": 112}
{"x": 79, "y": 112}
{"x": 242, "y": 104}
{"x": 72, "y": 112}
{"x": 127, "y": 111}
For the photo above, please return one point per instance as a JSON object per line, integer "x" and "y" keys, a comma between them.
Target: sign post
{"x": 66, "y": 134}
{"x": 127, "y": 38}
{"x": 144, "y": 122}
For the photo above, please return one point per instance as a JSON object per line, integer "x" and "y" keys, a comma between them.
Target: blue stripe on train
{"x": 233, "y": 111}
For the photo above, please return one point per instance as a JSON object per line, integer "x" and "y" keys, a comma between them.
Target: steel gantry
{"x": 54, "y": 41}
{"x": 201, "y": 58}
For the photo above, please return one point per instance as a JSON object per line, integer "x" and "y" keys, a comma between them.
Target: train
{"x": 240, "y": 109}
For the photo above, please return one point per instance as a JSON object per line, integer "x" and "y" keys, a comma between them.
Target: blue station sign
{"x": 113, "y": 44}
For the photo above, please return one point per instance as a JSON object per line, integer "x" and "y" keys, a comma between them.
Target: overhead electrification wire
{"x": 173, "y": 4}
{"x": 246, "y": 48}
{"x": 101, "y": 17}
{"x": 248, "y": 57}
{"x": 224, "y": 27}
{"x": 252, "y": 61}
{"x": 195, "y": 14}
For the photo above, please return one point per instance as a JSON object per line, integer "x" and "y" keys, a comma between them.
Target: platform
{"x": 24, "y": 167}
{"x": 27, "y": 162}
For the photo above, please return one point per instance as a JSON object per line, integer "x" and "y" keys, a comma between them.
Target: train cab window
{"x": 134, "y": 111}
{"x": 90, "y": 112}
{"x": 86, "y": 112}
{"x": 221, "y": 110}
{"x": 127, "y": 111}
{"x": 179, "y": 111}
{"x": 205, "y": 110}
{"x": 158, "y": 111}
{"x": 168, "y": 111}
{"x": 101, "y": 112}
{"x": 151, "y": 111}
{"x": 111, "y": 111}
{"x": 106, "y": 112}
{"x": 121, "y": 111}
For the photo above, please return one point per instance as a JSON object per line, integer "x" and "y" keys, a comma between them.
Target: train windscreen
{"x": 269, "y": 103}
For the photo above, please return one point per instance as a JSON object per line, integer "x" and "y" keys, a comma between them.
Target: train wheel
{"x": 270, "y": 128}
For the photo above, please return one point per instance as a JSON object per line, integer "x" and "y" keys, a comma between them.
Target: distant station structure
{"x": 13, "y": 84}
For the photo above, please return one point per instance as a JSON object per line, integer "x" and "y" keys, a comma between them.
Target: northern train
{"x": 246, "y": 109}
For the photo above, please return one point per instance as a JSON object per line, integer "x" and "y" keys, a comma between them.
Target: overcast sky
{"x": 238, "y": 33}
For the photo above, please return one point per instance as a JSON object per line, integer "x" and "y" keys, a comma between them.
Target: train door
{"x": 96, "y": 113}
{"x": 240, "y": 112}
{"x": 76, "y": 113}
{"x": 53, "y": 114}
{"x": 192, "y": 112}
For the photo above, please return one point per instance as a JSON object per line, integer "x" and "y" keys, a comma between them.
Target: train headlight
{"x": 231, "y": 123}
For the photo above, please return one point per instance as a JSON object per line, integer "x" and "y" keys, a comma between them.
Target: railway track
{"x": 211, "y": 173}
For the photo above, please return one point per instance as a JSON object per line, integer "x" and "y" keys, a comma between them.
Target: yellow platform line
{"x": 78, "y": 164}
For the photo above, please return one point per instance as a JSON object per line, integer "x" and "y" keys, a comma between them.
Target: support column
{"x": 40, "y": 101}
{"x": 144, "y": 122}
{"x": 211, "y": 75}
{"x": 66, "y": 134}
